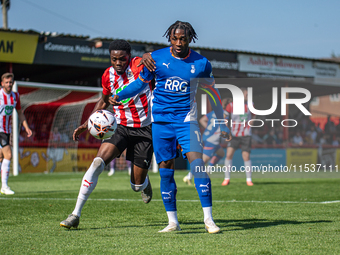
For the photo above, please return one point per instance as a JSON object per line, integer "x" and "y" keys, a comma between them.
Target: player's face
{"x": 7, "y": 84}
{"x": 120, "y": 59}
{"x": 180, "y": 43}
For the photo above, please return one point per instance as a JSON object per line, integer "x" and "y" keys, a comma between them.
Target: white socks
{"x": 247, "y": 165}
{"x": 172, "y": 216}
{"x": 88, "y": 184}
{"x": 228, "y": 163}
{"x": 207, "y": 213}
{"x": 5, "y": 172}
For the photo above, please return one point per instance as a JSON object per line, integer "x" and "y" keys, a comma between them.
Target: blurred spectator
{"x": 270, "y": 139}
{"x": 336, "y": 142}
{"x": 297, "y": 139}
{"x": 65, "y": 138}
{"x": 323, "y": 139}
{"x": 43, "y": 134}
{"x": 55, "y": 135}
{"x": 304, "y": 123}
{"x": 312, "y": 135}
{"x": 279, "y": 139}
{"x": 330, "y": 126}
{"x": 318, "y": 128}
{"x": 337, "y": 129}
{"x": 256, "y": 139}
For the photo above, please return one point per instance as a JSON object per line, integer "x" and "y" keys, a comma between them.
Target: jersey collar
{"x": 178, "y": 57}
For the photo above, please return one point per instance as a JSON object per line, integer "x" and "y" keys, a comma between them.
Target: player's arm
{"x": 102, "y": 104}
{"x": 216, "y": 104}
{"x": 148, "y": 62}
{"x": 24, "y": 122}
{"x": 134, "y": 87}
{"x": 208, "y": 85}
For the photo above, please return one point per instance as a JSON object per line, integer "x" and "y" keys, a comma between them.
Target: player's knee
{"x": 98, "y": 165}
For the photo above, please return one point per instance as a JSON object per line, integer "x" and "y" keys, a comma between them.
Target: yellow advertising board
{"x": 337, "y": 158}
{"x": 301, "y": 156}
{"x": 18, "y": 47}
{"x": 39, "y": 160}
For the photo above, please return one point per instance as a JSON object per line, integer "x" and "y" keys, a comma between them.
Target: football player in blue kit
{"x": 174, "y": 116}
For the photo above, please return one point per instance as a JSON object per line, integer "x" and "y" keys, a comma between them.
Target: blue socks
{"x": 202, "y": 182}
{"x": 168, "y": 189}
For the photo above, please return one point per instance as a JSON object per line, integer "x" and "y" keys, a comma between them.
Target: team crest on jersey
{"x": 193, "y": 69}
{"x": 129, "y": 74}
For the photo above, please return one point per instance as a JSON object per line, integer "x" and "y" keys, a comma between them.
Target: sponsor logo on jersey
{"x": 167, "y": 65}
{"x": 176, "y": 84}
{"x": 8, "y": 109}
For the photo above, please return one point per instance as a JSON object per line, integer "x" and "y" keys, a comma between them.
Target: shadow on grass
{"x": 225, "y": 225}
{"x": 260, "y": 223}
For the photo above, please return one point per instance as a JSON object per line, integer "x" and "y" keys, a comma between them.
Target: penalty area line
{"x": 179, "y": 200}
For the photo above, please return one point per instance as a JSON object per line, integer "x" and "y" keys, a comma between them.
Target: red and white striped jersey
{"x": 7, "y": 103}
{"x": 239, "y": 122}
{"x": 135, "y": 111}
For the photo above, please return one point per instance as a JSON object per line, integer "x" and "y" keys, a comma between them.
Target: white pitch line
{"x": 159, "y": 200}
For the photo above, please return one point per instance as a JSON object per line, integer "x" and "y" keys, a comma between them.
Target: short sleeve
{"x": 18, "y": 105}
{"x": 106, "y": 82}
{"x": 208, "y": 70}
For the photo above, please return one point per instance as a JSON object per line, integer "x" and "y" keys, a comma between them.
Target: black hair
{"x": 186, "y": 26}
{"x": 120, "y": 45}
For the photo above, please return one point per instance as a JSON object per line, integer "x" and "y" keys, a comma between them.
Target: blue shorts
{"x": 165, "y": 136}
{"x": 210, "y": 149}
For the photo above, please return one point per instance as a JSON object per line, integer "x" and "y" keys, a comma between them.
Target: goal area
{"x": 53, "y": 112}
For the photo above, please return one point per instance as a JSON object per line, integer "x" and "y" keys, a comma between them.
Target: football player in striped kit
{"x": 9, "y": 101}
{"x": 241, "y": 132}
{"x": 133, "y": 132}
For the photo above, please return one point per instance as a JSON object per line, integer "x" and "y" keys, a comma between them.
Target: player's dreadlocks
{"x": 120, "y": 45}
{"x": 186, "y": 26}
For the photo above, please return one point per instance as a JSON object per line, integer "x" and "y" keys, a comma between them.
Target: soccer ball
{"x": 102, "y": 124}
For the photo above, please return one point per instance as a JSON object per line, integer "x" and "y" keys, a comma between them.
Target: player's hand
{"x": 78, "y": 131}
{"x": 29, "y": 132}
{"x": 226, "y": 135}
{"x": 114, "y": 100}
{"x": 225, "y": 132}
{"x": 148, "y": 62}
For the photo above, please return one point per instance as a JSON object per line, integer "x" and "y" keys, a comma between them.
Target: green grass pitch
{"x": 278, "y": 215}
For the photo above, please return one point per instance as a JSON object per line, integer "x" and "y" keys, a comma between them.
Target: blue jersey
{"x": 173, "y": 98}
